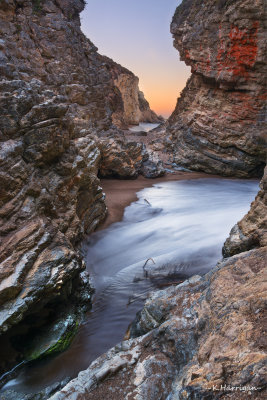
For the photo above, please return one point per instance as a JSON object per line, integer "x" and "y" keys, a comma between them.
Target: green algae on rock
{"x": 52, "y": 340}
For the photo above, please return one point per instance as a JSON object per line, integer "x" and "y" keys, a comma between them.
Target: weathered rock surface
{"x": 135, "y": 107}
{"x": 127, "y": 159}
{"x": 57, "y": 101}
{"x": 219, "y": 121}
{"x": 44, "y": 394}
{"x": 251, "y": 231}
{"x": 199, "y": 338}
{"x": 147, "y": 115}
{"x": 203, "y": 339}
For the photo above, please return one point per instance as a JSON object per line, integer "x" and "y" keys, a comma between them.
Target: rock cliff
{"x": 135, "y": 107}
{"x": 219, "y": 121}
{"x": 60, "y": 101}
{"x": 204, "y": 339}
{"x": 251, "y": 231}
{"x": 58, "y": 97}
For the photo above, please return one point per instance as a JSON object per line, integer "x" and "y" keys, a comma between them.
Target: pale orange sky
{"x": 136, "y": 34}
{"x": 163, "y": 85}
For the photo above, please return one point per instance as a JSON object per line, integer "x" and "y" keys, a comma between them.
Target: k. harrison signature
{"x": 229, "y": 388}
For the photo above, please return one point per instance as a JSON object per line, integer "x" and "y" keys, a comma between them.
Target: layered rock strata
{"x": 204, "y": 339}
{"x": 57, "y": 101}
{"x": 136, "y": 108}
{"x": 219, "y": 123}
{"x": 125, "y": 158}
{"x": 251, "y": 231}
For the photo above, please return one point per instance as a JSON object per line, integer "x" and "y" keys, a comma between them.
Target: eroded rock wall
{"x": 57, "y": 99}
{"x": 128, "y": 87}
{"x": 251, "y": 231}
{"x": 219, "y": 123}
{"x": 136, "y": 108}
{"x": 204, "y": 339}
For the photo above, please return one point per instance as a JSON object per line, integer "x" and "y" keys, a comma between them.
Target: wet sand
{"x": 121, "y": 193}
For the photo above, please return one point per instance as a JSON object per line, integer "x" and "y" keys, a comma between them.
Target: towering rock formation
{"x": 58, "y": 97}
{"x": 135, "y": 107}
{"x": 219, "y": 121}
{"x": 205, "y": 339}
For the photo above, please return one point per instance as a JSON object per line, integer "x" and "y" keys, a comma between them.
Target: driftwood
{"x": 144, "y": 266}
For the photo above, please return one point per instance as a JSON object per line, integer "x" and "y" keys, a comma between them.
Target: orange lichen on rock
{"x": 218, "y": 125}
{"x": 241, "y": 52}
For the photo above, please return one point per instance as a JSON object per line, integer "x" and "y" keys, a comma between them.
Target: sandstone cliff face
{"x": 147, "y": 115}
{"x": 136, "y": 109}
{"x": 128, "y": 86}
{"x": 57, "y": 99}
{"x": 218, "y": 124}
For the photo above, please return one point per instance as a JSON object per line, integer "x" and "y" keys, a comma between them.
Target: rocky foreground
{"x": 61, "y": 106}
{"x": 206, "y": 338}
{"x": 203, "y": 339}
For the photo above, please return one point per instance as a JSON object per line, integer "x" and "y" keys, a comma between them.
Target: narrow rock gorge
{"x": 61, "y": 105}
{"x": 64, "y": 108}
{"x": 207, "y": 336}
{"x": 203, "y": 339}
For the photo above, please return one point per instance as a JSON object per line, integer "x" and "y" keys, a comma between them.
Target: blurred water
{"x": 143, "y": 126}
{"x": 182, "y": 226}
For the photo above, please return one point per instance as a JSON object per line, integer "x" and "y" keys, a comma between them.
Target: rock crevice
{"x": 58, "y": 99}
{"x": 206, "y": 338}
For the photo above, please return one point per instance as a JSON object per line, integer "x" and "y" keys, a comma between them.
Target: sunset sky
{"x": 136, "y": 34}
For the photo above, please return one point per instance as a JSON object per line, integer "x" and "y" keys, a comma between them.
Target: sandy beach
{"x": 121, "y": 193}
